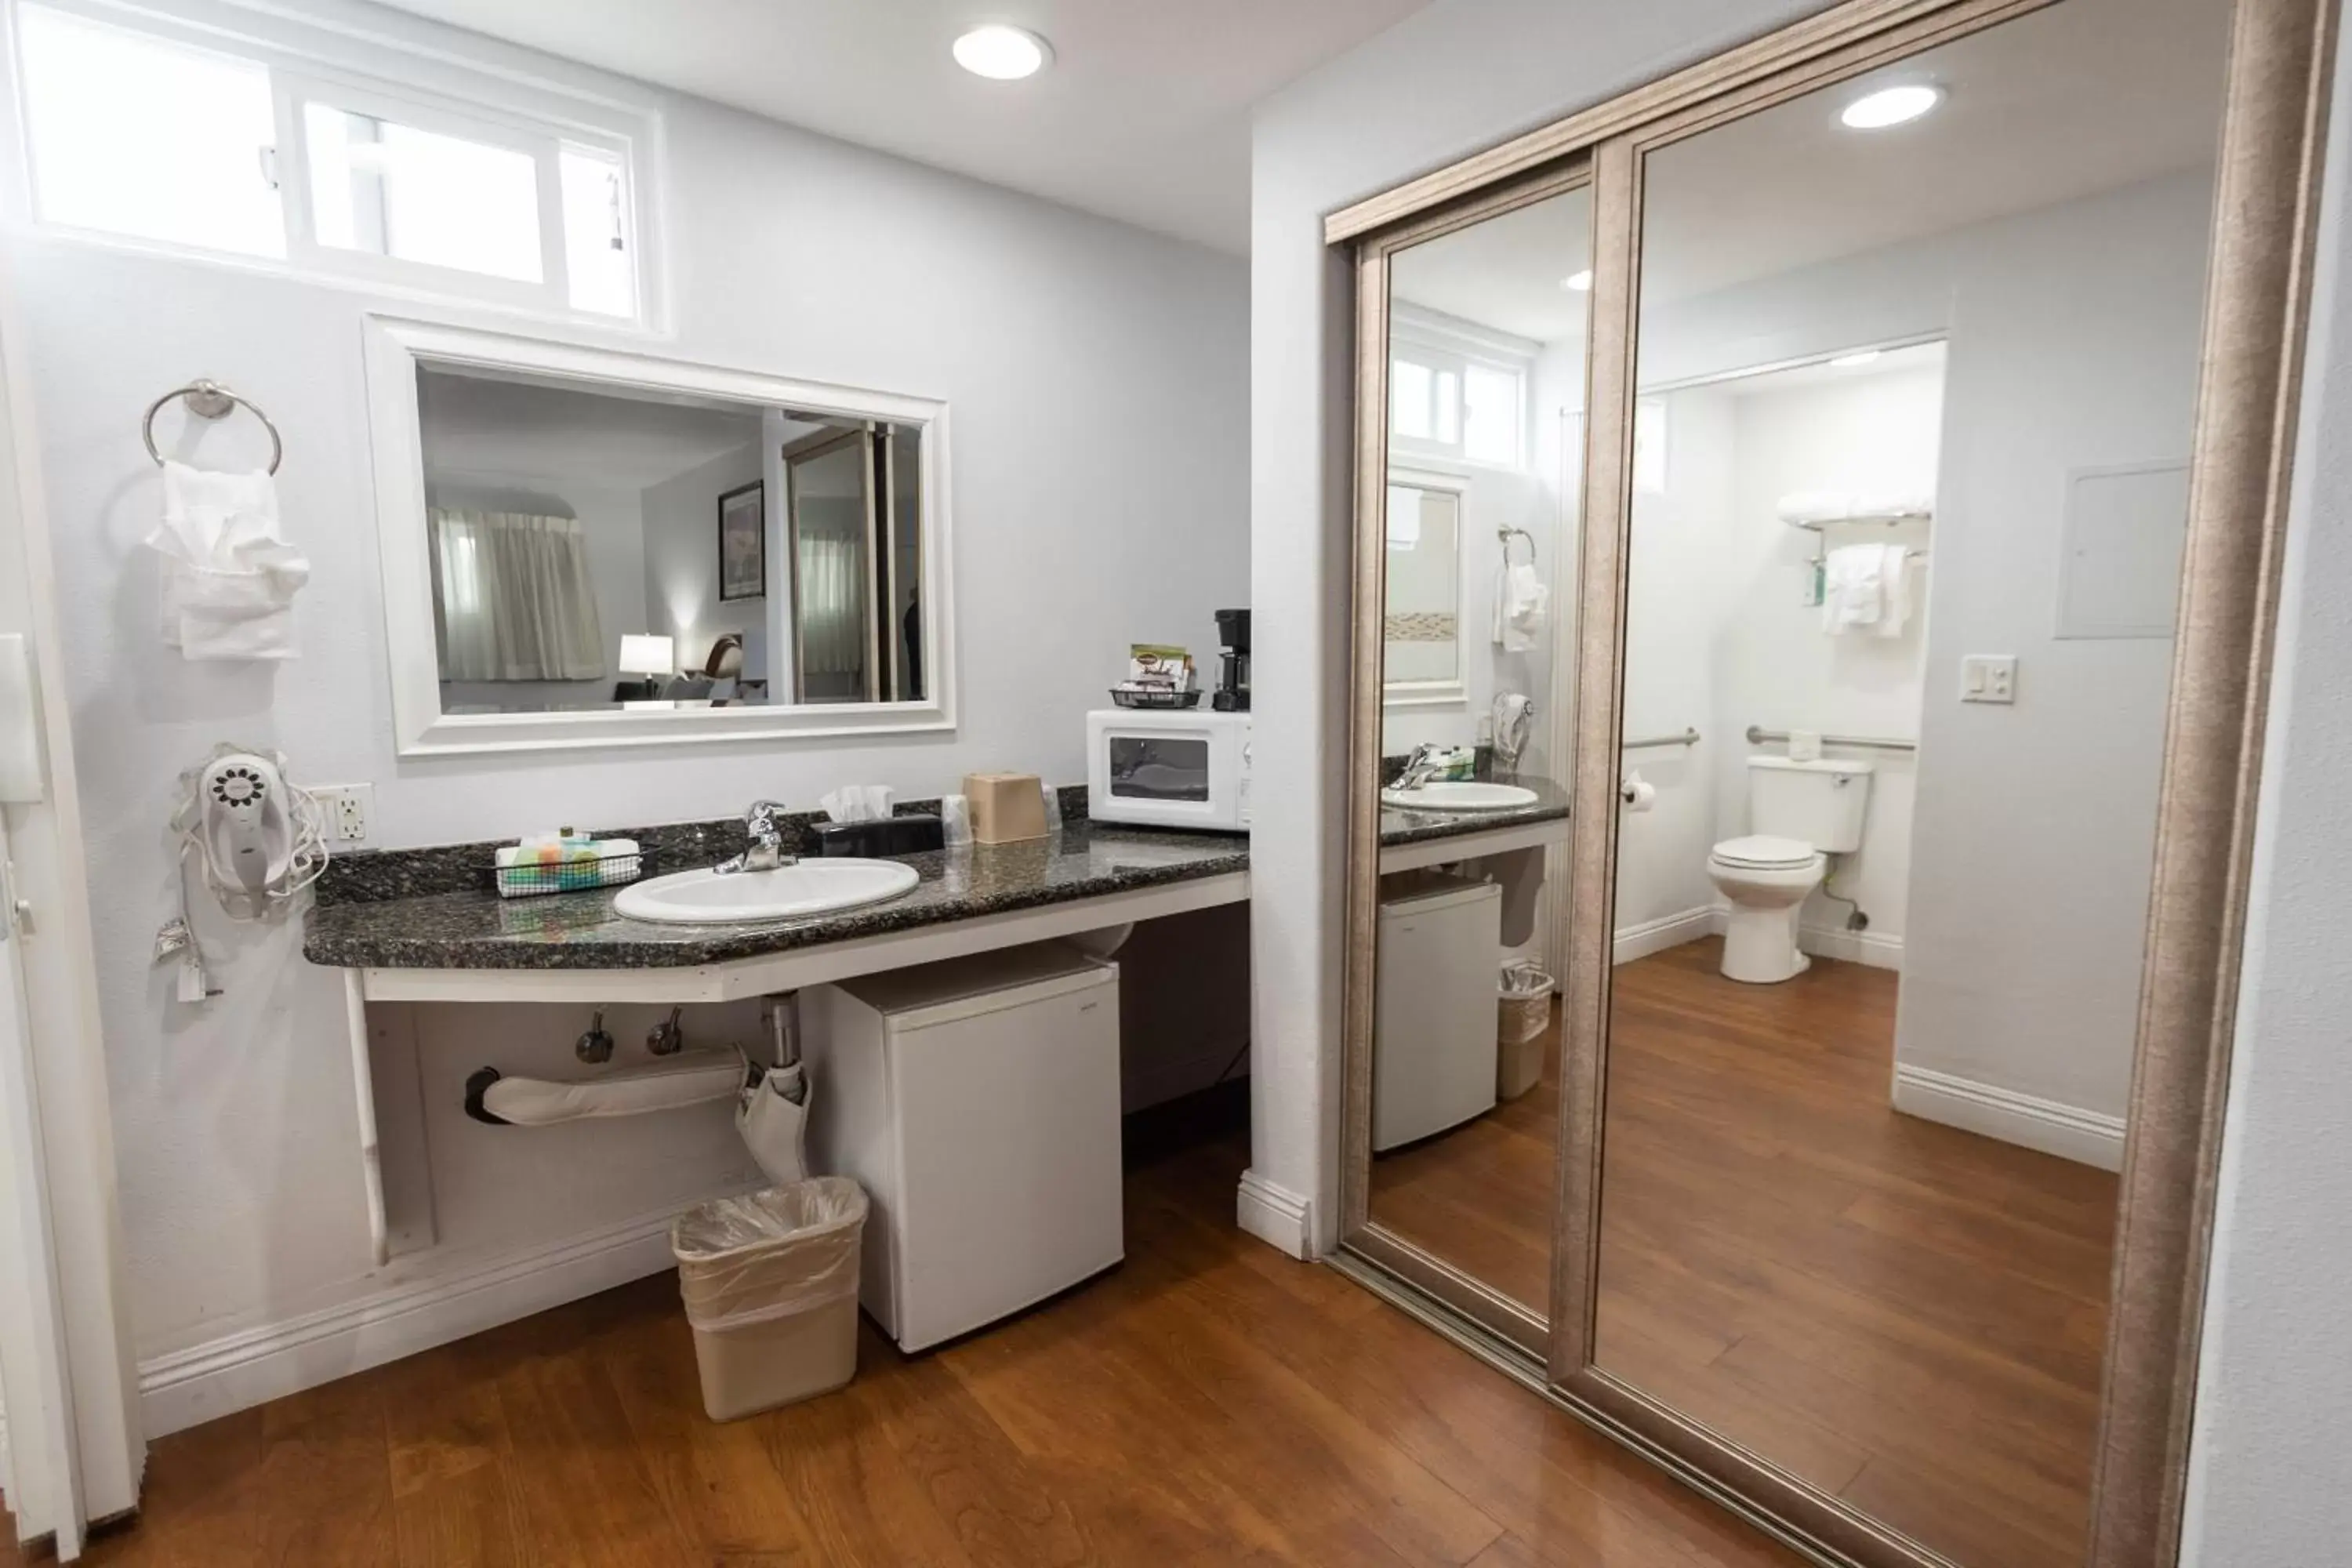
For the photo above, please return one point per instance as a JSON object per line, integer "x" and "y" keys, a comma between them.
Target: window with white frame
{"x": 150, "y": 136}
{"x": 1446, "y": 403}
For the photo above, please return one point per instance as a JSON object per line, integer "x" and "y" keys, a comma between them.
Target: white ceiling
{"x": 2085, "y": 96}
{"x": 1143, "y": 116}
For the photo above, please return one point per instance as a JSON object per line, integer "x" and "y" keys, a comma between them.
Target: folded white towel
{"x": 1816, "y": 506}
{"x": 229, "y": 580}
{"x": 1521, "y": 603}
{"x": 1812, "y": 508}
{"x": 1864, "y": 585}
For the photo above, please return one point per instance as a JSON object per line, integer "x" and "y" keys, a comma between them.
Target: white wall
{"x": 2074, "y": 345}
{"x": 1084, "y": 363}
{"x": 2275, "y": 1392}
{"x": 679, "y": 566}
{"x": 1445, "y": 82}
{"x": 1681, "y": 588}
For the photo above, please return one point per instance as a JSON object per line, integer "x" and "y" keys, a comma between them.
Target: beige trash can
{"x": 1523, "y": 1011}
{"x": 770, "y": 1286}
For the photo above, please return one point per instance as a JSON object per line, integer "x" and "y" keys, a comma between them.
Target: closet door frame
{"x": 1524, "y": 1328}
{"x": 2272, "y": 136}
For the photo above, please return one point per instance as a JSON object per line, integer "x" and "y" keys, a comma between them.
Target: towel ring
{"x": 209, "y": 400}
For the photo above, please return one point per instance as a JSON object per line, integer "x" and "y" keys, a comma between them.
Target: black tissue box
{"x": 873, "y": 840}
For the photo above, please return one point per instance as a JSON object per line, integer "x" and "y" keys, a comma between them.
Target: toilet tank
{"x": 1820, "y": 802}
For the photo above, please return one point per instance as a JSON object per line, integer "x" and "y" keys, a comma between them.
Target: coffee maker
{"x": 1232, "y": 695}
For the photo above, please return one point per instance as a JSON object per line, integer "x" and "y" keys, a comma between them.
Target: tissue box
{"x": 1005, "y": 807}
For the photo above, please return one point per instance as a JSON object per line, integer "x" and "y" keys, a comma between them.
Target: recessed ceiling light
{"x": 1578, "y": 282}
{"x": 1847, "y": 361}
{"x": 1890, "y": 106}
{"x": 1003, "y": 54}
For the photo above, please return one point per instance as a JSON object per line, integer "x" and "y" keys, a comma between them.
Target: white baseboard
{"x": 2086, "y": 1137}
{"x": 1669, "y": 931}
{"x": 183, "y": 1388}
{"x": 1874, "y": 948}
{"x": 1276, "y": 1215}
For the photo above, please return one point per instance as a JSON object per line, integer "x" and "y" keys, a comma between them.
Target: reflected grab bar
{"x": 1758, "y": 735}
{"x": 1689, "y": 737}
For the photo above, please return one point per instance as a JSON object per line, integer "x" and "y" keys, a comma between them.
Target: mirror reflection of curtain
{"x": 833, "y": 631}
{"x": 512, "y": 599}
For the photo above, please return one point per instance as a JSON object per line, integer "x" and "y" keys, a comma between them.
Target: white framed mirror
{"x": 584, "y": 548}
{"x": 1425, "y": 610}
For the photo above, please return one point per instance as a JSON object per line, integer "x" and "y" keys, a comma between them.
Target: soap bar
{"x": 1005, "y": 807}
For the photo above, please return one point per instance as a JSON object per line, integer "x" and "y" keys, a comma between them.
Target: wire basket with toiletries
{"x": 567, "y": 862}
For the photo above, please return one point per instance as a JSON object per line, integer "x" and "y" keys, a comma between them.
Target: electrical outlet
{"x": 347, "y": 809}
{"x": 1988, "y": 678}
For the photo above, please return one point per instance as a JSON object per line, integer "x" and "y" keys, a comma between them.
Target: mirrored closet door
{"x": 1875, "y": 563}
{"x": 1918, "y": 361}
{"x": 1474, "y": 477}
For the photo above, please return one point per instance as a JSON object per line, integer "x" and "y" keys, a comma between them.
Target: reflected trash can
{"x": 1523, "y": 1012}
{"x": 770, "y": 1281}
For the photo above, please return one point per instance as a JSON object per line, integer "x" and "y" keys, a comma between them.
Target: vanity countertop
{"x": 435, "y": 908}
{"x": 473, "y": 928}
{"x": 1399, "y": 826}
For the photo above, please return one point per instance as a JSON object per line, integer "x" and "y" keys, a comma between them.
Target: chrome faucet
{"x": 1420, "y": 767}
{"x": 767, "y": 851}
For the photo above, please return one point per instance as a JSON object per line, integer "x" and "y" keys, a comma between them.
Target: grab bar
{"x": 1689, "y": 737}
{"x": 1758, "y": 735}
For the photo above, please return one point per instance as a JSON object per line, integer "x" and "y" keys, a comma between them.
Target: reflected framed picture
{"x": 743, "y": 542}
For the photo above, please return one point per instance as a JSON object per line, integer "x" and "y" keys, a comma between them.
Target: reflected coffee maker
{"x": 1232, "y": 694}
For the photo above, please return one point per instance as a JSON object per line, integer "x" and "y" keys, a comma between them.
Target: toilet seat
{"x": 1764, "y": 852}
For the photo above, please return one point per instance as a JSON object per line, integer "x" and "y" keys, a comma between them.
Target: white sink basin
{"x": 819, "y": 886}
{"x": 1470, "y": 796}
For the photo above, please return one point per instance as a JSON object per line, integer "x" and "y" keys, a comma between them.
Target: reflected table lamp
{"x": 655, "y": 657}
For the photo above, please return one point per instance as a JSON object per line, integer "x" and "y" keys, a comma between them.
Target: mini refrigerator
{"x": 1433, "y": 1021}
{"x": 977, "y": 1102}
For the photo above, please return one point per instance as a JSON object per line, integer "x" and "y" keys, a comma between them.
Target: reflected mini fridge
{"x": 1434, "y": 1029}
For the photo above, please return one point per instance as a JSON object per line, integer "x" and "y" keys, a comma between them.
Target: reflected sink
{"x": 820, "y": 887}
{"x": 1460, "y": 797}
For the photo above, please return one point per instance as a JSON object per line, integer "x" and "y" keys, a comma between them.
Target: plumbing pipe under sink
{"x": 695, "y": 1078}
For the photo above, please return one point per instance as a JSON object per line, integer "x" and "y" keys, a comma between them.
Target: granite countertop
{"x": 1402, "y": 826}
{"x": 473, "y": 928}
{"x": 436, "y": 908}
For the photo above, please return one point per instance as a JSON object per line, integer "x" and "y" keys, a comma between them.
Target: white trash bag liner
{"x": 1522, "y": 980}
{"x": 771, "y": 1253}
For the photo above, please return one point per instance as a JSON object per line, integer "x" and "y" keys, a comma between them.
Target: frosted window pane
{"x": 390, "y": 189}
{"x": 1448, "y": 402}
{"x": 597, "y": 266}
{"x": 134, "y": 135}
{"x": 1409, "y": 399}
{"x": 1650, "y": 446}
{"x": 1491, "y": 424}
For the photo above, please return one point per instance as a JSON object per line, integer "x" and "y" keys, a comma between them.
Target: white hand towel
{"x": 229, "y": 580}
{"x": 1522, "y": 602}
{"x": 1864, "y": 585}
{"x": 1894, "y": 594}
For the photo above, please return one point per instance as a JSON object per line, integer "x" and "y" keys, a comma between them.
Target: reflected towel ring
{"x": 209, "y": 400}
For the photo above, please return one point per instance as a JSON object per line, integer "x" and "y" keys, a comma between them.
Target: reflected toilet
{"x": 1799, "y": 814}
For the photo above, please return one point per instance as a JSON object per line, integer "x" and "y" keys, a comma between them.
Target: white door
{"x": 40, "y": 1468}
{"x": 69, "y": 1386}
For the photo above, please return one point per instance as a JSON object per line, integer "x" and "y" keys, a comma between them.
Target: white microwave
{"x": 1168, "y": 768}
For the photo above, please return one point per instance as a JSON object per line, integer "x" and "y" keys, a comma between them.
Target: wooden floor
{"x": 1208, "y": 1403}
{"x": 1909, "y": 1316}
